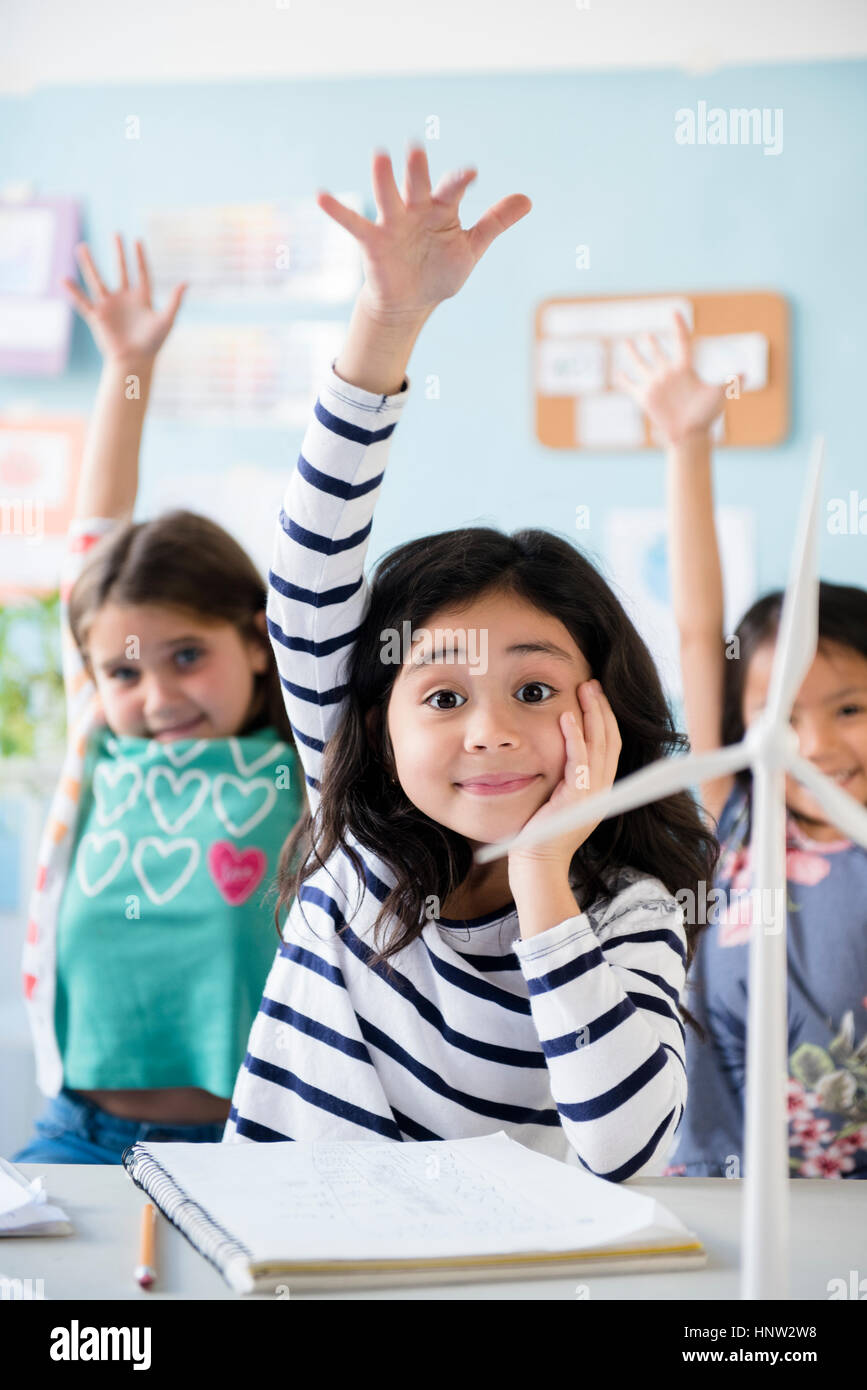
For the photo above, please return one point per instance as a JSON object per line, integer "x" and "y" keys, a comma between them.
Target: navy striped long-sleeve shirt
{"x": 570, "y": 1040}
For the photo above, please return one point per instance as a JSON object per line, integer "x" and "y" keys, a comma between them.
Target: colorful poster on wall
{"x": 37, "y": 240}
{"x": 244, "y": 374}
{"x": 39, "y": 464}
{"x": 283, "y": 250}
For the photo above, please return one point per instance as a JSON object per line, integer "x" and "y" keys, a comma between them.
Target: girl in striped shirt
{"x": 479, "y": 683}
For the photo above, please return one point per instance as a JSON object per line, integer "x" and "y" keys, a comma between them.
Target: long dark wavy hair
{"x": 842, "y": 621}
{"x": 186, "y": 561}
{"x": 415, "y": 581}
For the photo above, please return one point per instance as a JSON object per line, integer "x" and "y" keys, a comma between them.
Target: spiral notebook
{"x": 328, "y": 1215}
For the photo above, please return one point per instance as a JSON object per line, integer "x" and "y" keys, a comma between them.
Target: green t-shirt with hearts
{"x": 166, "y": 928}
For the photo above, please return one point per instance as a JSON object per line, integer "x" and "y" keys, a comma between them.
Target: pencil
{"x": 145, "y": 1271}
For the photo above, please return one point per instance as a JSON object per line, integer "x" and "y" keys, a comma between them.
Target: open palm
{"x": 124, "y": 323}
{"x": 417, "y": 253}
{"x": 674, "y": 396}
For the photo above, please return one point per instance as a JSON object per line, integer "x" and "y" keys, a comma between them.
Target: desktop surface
{"x": 828, "y": 1239}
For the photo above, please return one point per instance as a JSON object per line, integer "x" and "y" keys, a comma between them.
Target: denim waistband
{"x": 88, "y": 1119}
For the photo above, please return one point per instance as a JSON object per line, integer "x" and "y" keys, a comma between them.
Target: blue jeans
{"x": 71, "y": 1129}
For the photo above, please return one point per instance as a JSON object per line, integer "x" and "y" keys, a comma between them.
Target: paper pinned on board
{"x": 720, "y": 358}
{"x": 609, "y": 421}
{"x": 568, "y": 366}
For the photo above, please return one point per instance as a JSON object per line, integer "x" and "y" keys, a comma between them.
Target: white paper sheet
{"x": 24, "y": 1205}
{"x": 567, "y": 366}
{"x": 718, "y": 359}
{"x": 613, "y": 318}
{"x": 609, "y": 421}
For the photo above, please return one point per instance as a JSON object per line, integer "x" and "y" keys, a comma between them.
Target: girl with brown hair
{"x": 149, "y": 941}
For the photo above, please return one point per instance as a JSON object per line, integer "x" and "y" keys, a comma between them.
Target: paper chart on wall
{"x": 36, "y": 250}
{"x": 636, "y": 548}
{"x": 284, "y": 250}
{"x": 244, "y": 374}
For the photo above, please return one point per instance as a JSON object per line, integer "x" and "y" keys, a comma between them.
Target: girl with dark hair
{"x": 149, "y": 941}
{"x": 725, "y": 684}
{"x": 477, "y": 684}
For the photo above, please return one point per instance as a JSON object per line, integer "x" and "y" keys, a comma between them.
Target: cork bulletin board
{"x": 578, "y": 348}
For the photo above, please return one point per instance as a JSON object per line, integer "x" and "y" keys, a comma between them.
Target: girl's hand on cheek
{"x": 592, "y": 746}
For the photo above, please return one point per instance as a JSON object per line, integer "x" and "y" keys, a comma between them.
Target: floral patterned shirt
{"x": 826, "y": 895}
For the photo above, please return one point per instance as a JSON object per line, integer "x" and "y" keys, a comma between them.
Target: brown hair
{"x": 360, "y": 798}
{"x": 186, "y": 561}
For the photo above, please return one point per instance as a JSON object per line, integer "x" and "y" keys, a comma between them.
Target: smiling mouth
{"x": 499, "y": 788}
{"x": 178, "y": 730}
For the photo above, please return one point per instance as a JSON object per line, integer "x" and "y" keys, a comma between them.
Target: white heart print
{"x": 246, "y": 789}
{"x": 164, "y": 848}
{"x": 247, "y": 769}
{"x": 181, "y": 759}
{"x": 96, "y": 841}
{"x": 111, "y": 774}
{"x": 178, "y": 783}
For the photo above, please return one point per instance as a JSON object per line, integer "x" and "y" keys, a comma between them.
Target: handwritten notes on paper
{"x": 372, "y": 1200}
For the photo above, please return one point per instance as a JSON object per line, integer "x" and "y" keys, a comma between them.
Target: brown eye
{"x": 437, "y": 693}
{"x": 536, "y": 685}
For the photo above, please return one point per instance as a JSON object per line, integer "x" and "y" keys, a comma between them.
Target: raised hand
{"x": 675, "y": 398}
{"x": 592, "y": 746}
{"x": 124, "y": 323}
{"x": 416, "y": 253}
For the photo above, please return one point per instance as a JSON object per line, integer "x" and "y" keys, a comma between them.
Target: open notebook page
{"x": 374, "y": 1200}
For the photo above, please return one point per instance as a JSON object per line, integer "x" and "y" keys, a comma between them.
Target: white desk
{"x": 828, "y": 1239}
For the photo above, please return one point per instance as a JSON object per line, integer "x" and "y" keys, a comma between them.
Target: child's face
{"x": 163, "y": 673}
{"x": 830, "y": 719}
{"x": 490, "y": 710}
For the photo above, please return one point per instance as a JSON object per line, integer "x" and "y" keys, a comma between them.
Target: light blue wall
{"x": 598, "y": 157}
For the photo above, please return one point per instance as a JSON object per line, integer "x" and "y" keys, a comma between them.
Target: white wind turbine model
{"x": 770, "y": 750}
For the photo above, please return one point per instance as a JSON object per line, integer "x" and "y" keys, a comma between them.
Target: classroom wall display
{"x": 37, "y": 240}
{"x": 636, "y": 551}
{"x": 579, "y": 347}
{"x": 244, "y": 374}
{"x": 287, "y": 249}
{"x": 39, "y": 465}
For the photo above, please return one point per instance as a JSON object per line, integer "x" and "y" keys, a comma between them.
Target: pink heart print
{"x": 236, "y": 872}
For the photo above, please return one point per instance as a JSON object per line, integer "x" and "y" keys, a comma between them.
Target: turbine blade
{"x": 842, "y": 809}
{"x": 660, "y": 779}
{"x": 799, "y": 619}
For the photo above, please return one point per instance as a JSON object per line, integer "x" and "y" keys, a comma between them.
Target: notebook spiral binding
{"x": 230, "y": 1257}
